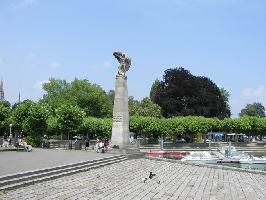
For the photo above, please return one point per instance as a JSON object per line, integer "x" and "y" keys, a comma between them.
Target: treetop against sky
{"x": 223, "y": 40}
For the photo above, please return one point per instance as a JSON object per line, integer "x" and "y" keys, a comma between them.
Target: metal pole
{"x": 230, "y": 148}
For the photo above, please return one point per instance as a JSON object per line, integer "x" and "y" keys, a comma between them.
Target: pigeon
{"x": 151, "y": 175}
{"x": 144, "y": 180}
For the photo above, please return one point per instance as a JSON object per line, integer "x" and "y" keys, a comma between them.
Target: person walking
{"x": 87, "y": 143}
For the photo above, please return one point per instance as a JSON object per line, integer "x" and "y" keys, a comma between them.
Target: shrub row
{"x": 147, "y": 126}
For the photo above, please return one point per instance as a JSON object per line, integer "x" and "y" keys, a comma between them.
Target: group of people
{"x": 101, "y": 145}
{"x": 7, "y": 140}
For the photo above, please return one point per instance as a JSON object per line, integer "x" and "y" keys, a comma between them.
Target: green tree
{"x": 226, "y": 95}
{"x": 57, "y": 92}
{"x": 5, "y": 103}
{"x": 35, "y": 124}
{"x": 147, "y": 108}
{"x": 20, "y": 113}
{"x": 90, "y": 97}
{"x": 133, "y": 105}
{"x": 259, "y": 125}
{"x": 4, "y": 115}
{"x": 154, "y": 88}
{"x": 144, "y": 108}
{"x": 69, "y": 119}
{"x": 255, "y": 109}
{"x": 111, "y": 94}
{"x": 181, "y": 93}
{"x": 97, "y": 127}
{"x": 52, "y": 126}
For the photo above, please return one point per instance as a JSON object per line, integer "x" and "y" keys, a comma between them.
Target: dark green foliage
{"x": 4, "y": 116}
{"x": 255, "y": 109}
{"x": 182, "y": 94}
{"x": 5, "y": 103}
{"x": 225, "y": 94}
{"x": 33, "y": 141}
{"x": 111, "y": 94}
{"x": 154, "y": 88}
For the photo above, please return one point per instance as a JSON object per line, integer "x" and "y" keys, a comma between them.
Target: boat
{"x": 231, "y": 152}
{"x": 200, "y": 157}
{"x": 166, "y": 153}
{"x": 253, "y": 160}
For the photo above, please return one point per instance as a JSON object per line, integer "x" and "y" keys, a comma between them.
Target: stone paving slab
{"x": 125, "y": 181}
{"x": 13, "y": 161}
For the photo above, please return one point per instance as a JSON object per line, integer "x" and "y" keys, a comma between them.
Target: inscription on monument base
{"x": 117, "y": 121}
{"x": 117, "y": 118}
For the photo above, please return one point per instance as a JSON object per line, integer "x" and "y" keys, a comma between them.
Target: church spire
{"x": 2, "y": 95}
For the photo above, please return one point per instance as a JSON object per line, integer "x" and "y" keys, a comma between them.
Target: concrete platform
{"x": 13, "y": 162}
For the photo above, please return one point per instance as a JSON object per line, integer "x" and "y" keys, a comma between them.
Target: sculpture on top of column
{"x": 124, "y": 62}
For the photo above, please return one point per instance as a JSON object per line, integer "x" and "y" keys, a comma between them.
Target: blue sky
{"x": 224, "y": 40}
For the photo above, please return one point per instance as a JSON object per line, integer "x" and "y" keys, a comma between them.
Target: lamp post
{"x": 10, "y": 133}
{"x": 10, "y": 129}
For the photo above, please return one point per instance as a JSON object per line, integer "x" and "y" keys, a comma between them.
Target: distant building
{"x": 2, "y": 94}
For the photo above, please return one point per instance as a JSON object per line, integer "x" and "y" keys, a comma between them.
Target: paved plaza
{"x": 125, "y": 180}
{"x": 13, "y": 162}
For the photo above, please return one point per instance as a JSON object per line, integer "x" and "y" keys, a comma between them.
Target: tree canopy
{"x": 4, "y": 115}
{"x": 255, "y": 109}
{"x": 69, "y": 118}
{"x": 225, "y": 94}
{"x": 5, "y": 103}
{"x": 90, "y": 97}
{"x": 154, "y": 89}
{"x": 145, "y": 108}
{"x": 180, "y": 94}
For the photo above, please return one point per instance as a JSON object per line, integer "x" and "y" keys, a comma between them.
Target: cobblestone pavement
{"x": 125, "y": 181}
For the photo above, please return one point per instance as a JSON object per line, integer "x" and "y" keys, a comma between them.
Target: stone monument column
{"x": 120, "y": 128}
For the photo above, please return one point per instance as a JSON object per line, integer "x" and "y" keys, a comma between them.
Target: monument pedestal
{"x": 130, "y": 151}
{"x": 120, "y": 128}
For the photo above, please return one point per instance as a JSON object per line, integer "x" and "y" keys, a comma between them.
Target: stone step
{"x": 18, "y": 180}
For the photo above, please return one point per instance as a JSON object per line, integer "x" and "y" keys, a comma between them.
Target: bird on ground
{"x": 151, "y": 175}
{"x": 144, "y": 180}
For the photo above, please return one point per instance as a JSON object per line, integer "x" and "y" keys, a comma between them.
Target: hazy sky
{"x": 224, "y": 40}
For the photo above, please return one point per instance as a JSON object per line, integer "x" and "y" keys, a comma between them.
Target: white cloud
{"x": 55, "y": 64}
{"x": 248, "y": 96}
{"x": 38, "y": 84}
{"x": 1, "y": 60}
{"x": 107, "y": 64}
{"x": 257, "y": 94}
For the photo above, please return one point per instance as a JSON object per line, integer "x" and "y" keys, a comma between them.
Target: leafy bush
{"x": 33, "y": 141}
